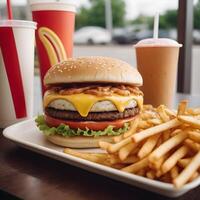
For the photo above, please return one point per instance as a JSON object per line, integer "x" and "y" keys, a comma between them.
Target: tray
{"x": 28, "y": 136}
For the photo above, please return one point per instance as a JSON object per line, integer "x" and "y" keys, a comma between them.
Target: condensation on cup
{"x": 16, "y": 70}
{"x": 54, "y": 36}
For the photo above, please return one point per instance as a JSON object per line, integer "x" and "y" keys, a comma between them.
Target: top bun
{"x": 93, "y": 69}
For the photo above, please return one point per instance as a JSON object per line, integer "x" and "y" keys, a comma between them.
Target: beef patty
{"x": 92, "y": 116}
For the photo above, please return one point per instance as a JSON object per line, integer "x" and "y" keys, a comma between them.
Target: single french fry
{"x": 173, "y": 159}
{"x": 182, "y": 107}
{"x": 187, "y": 173}
{"x": 118, "y": 166}
{"x": 178, "y": 130}
{"x": 151, "y": 174}
{"x": 148, "y": 146}
{"x": 162, "y": 113}
{"x": 112, "y": 148}
{"x": 130, "y": 160}
{"x": 155, "y": 130}
{"x": 193, "y": 145}
{"x": 167, "y": 146}
{"x": 184, "y": 162}
{"x": 125, "y": 151}
{"x": 100, "y": 155}
{"x": 171, "y": 113}
{"x": 114, "y": 159}
{"x": 133, "y": 127}
{"x": 190, "y": 120}
{"x": 104, "y": 145}
{"x": 194, "y": 176}
{"x": 143, "y": 124}
{"x": 195, "y": 136}
{"x": 94, "y": 157}
{"x": 159, "y": 173}
{"x": 154, "y": 121}
{"x": 174, "y": 172}
{"x": 118, "y": 138}
{"x": 136, "y": 166}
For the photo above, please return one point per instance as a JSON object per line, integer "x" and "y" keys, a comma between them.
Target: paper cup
{"x": 16, "y": 70}
{"x": 157, "y": 61}
{"x": 54, "y": 36}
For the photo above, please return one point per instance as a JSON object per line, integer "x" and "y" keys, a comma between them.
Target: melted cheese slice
{"x": 84, "y": 102}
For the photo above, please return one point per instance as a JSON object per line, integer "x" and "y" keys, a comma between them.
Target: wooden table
{"x": 28, "y": 175}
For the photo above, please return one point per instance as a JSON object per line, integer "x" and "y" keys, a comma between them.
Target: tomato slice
{"x": 92, "y": 125}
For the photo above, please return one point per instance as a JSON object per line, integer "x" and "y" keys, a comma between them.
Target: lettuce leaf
{"x": 65, "y": 130}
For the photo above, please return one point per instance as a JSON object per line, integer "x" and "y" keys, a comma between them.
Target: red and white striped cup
{"x": 16, "y": 70}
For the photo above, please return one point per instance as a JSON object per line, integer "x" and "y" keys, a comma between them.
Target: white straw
{"x": 156, "y": 25}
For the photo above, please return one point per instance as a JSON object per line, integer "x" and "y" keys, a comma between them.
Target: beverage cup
{"x": 157, "y": 61}
{"x": 54, "y": 36}
{"x": 17, "y": 39}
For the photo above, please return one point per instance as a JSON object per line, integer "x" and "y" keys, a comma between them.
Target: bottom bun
{"x": 79, "y": 141}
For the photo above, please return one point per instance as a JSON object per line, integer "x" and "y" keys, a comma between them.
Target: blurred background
{"x": 111, "y": 27}
{"x": 122, "y": 22}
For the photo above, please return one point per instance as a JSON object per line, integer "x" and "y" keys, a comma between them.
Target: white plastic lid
{"x": 158, "y": 42}
{"x": 61, "y": 5}
{"x": 18, "y": 23}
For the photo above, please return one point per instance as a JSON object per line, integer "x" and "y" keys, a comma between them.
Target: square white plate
{"x": 28, "y": 136}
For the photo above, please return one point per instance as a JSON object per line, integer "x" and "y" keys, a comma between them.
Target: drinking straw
{"x": 156, "y": 25}
{"x": 9, "y": 10}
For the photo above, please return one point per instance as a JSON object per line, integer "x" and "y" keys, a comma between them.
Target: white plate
{"x": 27, "y": 135}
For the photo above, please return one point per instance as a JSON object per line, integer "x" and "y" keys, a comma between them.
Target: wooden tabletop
{"x": 28, "y": 175}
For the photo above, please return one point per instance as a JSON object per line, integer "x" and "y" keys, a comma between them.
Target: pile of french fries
{"x": 161, "y": 144}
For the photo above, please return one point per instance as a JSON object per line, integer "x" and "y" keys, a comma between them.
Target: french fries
{"x": 184, "y": 162}
{"x": 167, "y": 146}
{"x": 190, "y": 120}
{"x": 193, "y": 145}
{"x": 163, "y": 115}
{"x": 151, "y": 174}
{"x": 188, "y": 172}
{"x": 182, "y": 107}
{"x": 171, "y": 113}
{"x": 133, "y": 128}
{"x": 135, "y": 167}
{"x": 174, "y": 172}
{"x": 161, "y": 144}
{"x": 195, "y": 136}
{"x": 113, "y": 148}
{"x": 155, "y": 130}
{"x": 148, "y": 146}
{"x": 173, "y": 159}
{"x": 94, "y": 157}
{"x": 125, "y": 151}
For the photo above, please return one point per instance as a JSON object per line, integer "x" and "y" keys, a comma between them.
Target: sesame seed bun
{"x": 93, "y": 69}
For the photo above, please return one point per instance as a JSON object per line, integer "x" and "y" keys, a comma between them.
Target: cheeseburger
{"x": 89, "y": 99}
